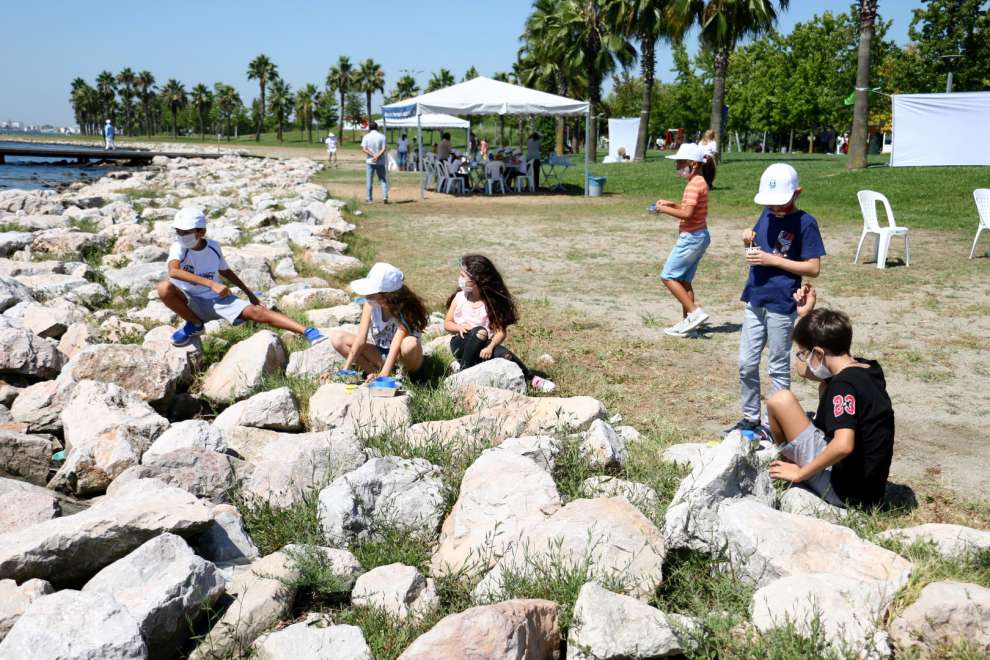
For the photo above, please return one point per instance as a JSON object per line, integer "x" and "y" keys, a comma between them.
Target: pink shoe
{"x": 542, "y": 384}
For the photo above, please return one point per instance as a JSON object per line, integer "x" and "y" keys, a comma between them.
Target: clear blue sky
{"x": 46, "y": 45}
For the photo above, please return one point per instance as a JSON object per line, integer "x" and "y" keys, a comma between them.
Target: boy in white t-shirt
{"x": 194, "y": 291}
{"x": 331, "y": 143}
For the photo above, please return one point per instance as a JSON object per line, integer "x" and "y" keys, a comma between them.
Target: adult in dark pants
{"x": 533, "y": 154}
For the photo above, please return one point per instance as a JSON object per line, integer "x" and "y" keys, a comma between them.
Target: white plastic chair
{"x": 430, "y": 171}
{"x": 493, "y": 177}
{"x": 449, "y": 180}
{"x": 526, "y": 178}
{"x": 982, "y": 197}
{"x": 871, "y": 225}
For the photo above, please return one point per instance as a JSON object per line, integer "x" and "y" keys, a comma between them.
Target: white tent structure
{"x": 430, "y": 121}
{"x": 485, "y": 96}
{"x": 941, "y": 129}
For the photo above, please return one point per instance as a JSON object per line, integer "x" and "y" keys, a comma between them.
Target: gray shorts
{"x": 802, "y": 450}
{"x": 212, "y": 309}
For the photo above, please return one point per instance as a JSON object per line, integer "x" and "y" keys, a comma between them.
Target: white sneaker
{"x": 542, "y": 384}
{"x": 676, "y": 330}
{"x": 694, "y": 319}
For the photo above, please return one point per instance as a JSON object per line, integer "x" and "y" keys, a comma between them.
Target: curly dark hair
{"x": 498, "y": 301}
{"x": 407, "y": 305}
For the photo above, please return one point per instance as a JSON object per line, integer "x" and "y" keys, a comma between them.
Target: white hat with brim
{"x": 778, "y": 184}
{"x": 382, "y": 278}
{"x": 689, "y": 151}
{"x": 189, "y": 218}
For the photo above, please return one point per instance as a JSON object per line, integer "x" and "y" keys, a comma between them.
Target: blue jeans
{"x": 379, "y": 169}
{"x": 683, "y": 261}
{"x": 762, "y": 328}
{"x": 403, "y": 159}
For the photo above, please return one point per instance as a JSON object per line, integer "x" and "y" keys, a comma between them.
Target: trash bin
{"x": 596, "y": 185}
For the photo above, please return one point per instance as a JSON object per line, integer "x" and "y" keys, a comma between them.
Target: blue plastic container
{"x": 596, "y": 185}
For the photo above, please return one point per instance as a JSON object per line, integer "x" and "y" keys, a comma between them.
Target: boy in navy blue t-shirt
{"x": 784, "y": 246}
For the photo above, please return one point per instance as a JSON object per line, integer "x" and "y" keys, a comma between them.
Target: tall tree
{"x": 440, "y": 79}
{"x": 352, "y": 109}
{"x": 305, "y": 103}
{"x": 370, "y": 79}
{"x": 949, "y": 27}
{"x": 146, "y": 93}
{"x": 79, "y": 96}
{"x": 341, "y": 77}
{"x": 173, "y": 95}
{"x": 326, "y": 109}
{"x": 202, "y": 102}
{"x": 859, "y": 137}
{"x": 126, "y": 80}
{"x": 470, "y": 74}
{"x": 228, "y": 102}
{"x": 106, "y": 86}
{"x": 724, "y": 23}
{"x": 263, "y": 70}
{"x": 405, "y": 87}
{"x": 281, "y": 103}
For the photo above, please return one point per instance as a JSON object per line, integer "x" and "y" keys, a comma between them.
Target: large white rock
{"x": 107, "y": 430}
{"x": 331, "y": 317}
{"x": 847, "y": 611}
{"x": 244, "y": 366}
{"x": 77, "y": 625}
{"x": 803, "y": 502}
{"x": 75, "y": 338}
{"x": 335, "y": 405}
{"x": 639, "y": 495}
{"x": 52, "y": 285}
{"x": 24, "y": 353}
{"x": 14, "y": 600}
{"x": 392, "y": 491}
{"x": 764, "y": 544}
{"x": 40, "y": 405}
{"x": 25, "y": 456}
{"x": 275, "y": 409}
{"x": 70, "y": 549}
{"x": 289, "y": 466}
{"x": 20, "y": 509}
{"x": 497, "y": 372}
{"x": 136, "y": 279}
{"x": 541, "y": 449}
{"x": 491, "y": 511}
{"x": 182, "y": 360}
{"x": 13, "y": 292}
{"x": 611, "y": 626}
{"x": 164, "y": 586}
{"x": 188, "y": 434}
{"x": 226, "y": 541}
{"x": 400, "y": 590}
{"x": 951, "y": 541}
{"x": 946, "y": 613}
{"x": 521, "y": 629}
{"x": 686, "y": 454}
{"x": 314, "y": 296}
{"x": 135, "y": 368}
{"x": 609, "y": 535}
{"x": 53, "y": 319}
{"x": 602, "y": 446}
{"x": 333, "y": 263}
{"x": 316, "y": 637}
{"x": 206, "y": 474}
{"x": 315, "y": 360}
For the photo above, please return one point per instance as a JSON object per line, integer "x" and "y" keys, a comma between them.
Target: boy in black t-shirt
{"x": 853, "y": 431}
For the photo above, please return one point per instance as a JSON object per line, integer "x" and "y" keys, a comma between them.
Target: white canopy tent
{"x": 430, "y": 121}
{"x": 941, "y": 129}
{"x": 485, "y": 96}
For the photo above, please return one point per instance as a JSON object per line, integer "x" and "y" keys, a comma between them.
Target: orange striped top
{"x": 695, "y": 194}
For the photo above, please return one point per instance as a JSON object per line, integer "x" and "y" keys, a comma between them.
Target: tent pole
{"x": 388, "y": 183}
{"x": 587, "y": 136}
{"x": 422, "y": 169}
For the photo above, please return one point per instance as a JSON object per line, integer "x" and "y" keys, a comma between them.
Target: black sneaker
{"x": 743, "y": 425}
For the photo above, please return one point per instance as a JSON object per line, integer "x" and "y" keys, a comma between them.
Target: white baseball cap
{"x": 777, "y": 185}
{"x": 189, "y": 218}
{"x": 108, "y": 121}
{"x": 689, "y": 151}
{"x": 382, "y": 278}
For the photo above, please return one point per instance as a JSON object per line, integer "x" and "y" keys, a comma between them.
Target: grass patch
{"x": 390, "y": 544}
{"x": 88, "y": 225}
{"x": 14, "y": 227}
{"x": 271, "y": 528}
{"x": 431, "y": 403}
{"x": 216, "y": 345}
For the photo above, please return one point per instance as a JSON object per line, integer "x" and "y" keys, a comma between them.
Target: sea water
{"x": 33, "y": 173}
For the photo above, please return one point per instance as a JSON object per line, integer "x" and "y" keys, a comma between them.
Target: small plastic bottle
{"x": 750, "y": 437}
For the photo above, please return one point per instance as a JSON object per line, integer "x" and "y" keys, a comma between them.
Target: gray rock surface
{"x": 316, "y": 637}
{"x": 135, "y": 368}
{"x": 639, "y": 495}
{"x": 244, "y": 366}
{"x": 189, "y": 434}
{"x": 25, "y": 456}
{"x": 946, "y": 613}
{"x": 400, "y": 590}
{"x": 497, "y": 372}
{"x": 14, "y": 600}
{"x": 24, "y": 353}
{"x": 20, "y": 509}
{"x": 951, "y": 541}
{"x": 334, "y": 405}
{"x": 275, "y": 409}
{"x": 602, "y": 446}
{"x": 226, "y": 541}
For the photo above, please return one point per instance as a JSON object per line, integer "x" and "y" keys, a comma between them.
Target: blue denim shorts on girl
{"x": 686, "y": 255}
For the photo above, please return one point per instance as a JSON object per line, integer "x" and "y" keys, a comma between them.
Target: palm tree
{"x": 79, "y": 90}
{"x": 585, "y": 22}
{"x": 440, "y": 79}
{"x": 261, "y": 69}
{"x": 305, "y": 103}
{"x": 126, "y": 79}
{"x": 281, "y": 103}
{"x": 647, "y": 21}
{"x": 340, "y": 78}
{"x": 106, "y": 85}
{"x": 202, "y": 102}
{"x": 370, "y": 79}
{"x": 859, "y": 136}
{"x": 173, "y": 95}
{"x": 723, "y": 24}
{"x": 470, "y": 74}
{"x": 405, "y": 87}
{"x": 146, "y": 92}
{"x": 228, "y": 100}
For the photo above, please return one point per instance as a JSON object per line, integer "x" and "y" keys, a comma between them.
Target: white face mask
{"x": 461, "y": 283}
{"x": 684, "y": 171}
{"x": 821, "y": 372}
{"x": 188, "y": 240}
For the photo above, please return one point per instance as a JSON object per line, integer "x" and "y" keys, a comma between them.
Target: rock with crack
{"x": 70, "y": 549}
{"x": 107, "y": 430}
{"x": 189, "y": 434}
{"x": 336, "y": 405}
{"x": 602, "y": 446}
{"x": 542, "y": 449}
{"x": 135, "y": 368}
{"x": 607, "y": 537}
{"x": 400, "y": 590}
{"x": 25, "y": 456}
{"x": 14, "y": 600}
{"x": 510, "y": 630}
{"x": 25, "y": 354}
{"x": 314, "y": 296}
{"x": 950, "y": 541}
{"x": 316, "y": 637}
{"x": 611, "y": 626}
{"x": 206, "y": 474}
{"x": 164, "y": 586}
{"x": 406, "y": 494}
{"x": 497, "y": 372}
{"x": 244, "y": 367}
{"x": 275, "y": 409}
{"x": 764, "y": 544}
{"x": 77, "y": 625}
{"x": 846, "y": 611}
{"x": 20, "y": 509}
{"x": 946, "y": 614}
{"x": 491, "y": 511}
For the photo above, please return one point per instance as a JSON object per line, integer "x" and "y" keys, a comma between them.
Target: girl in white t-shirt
{"x": 479, "y": 314}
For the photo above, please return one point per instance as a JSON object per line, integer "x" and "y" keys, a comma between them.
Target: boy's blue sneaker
{"x": 184, "y": 335}
{"x": 314, "y": 336}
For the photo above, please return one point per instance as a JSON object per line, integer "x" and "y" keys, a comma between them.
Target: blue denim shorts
{"x": 686, "y": 255}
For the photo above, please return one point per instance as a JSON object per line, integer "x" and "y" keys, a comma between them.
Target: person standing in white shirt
{"x": 373, "y": 145}
{"x": 108, "y": 136}
{"x": 331, "y": 143}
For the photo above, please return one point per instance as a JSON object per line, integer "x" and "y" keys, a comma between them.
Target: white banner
{"x": 941, "y": 129}
{"x": 622, "y": 133}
